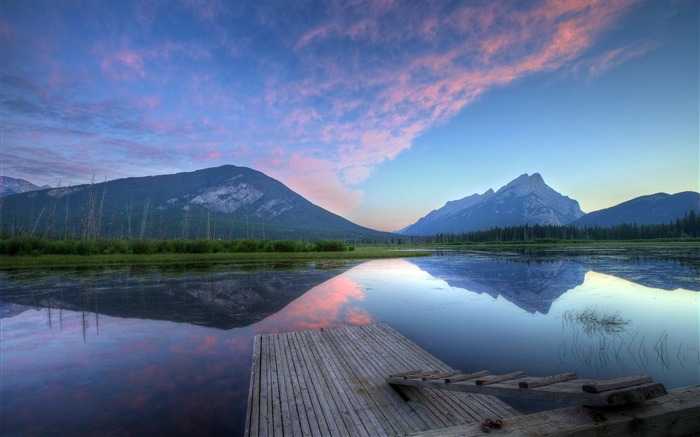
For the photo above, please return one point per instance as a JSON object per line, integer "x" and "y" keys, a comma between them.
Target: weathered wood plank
{"x": 612, "y": 384}
{"x": 441, "y": 375}
{"x": 325, "y": 407}
{"x": 301, "y": 427}
{"x": 278, "y": 413}
{"x": 500, "y": 378}
{"x": 547, "y": 380}
{"x": 630, "y": 395}
{"x": 290, "y": 418}
{"x": 252, "y": 421}
{"x": 266, "y": 391}
{"x": 407, "y": 373}
{"x": 378, "y": 398}
{"x": 345, "y": 406}
{"x": 313, "y": 412}
{"x": 423, "y": 375}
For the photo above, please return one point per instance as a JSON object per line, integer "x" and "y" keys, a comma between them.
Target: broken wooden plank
{"x": 423, "y": 374}
{"x": 612, "y": 384}
{"x": 500, "y": 378}
{"x": 406, "y": 373}
{"x": 547, "y": 380}
{"x": 467, "y": 376}
{"x": 441, "y": 375}
{"x": 630, "y": 395}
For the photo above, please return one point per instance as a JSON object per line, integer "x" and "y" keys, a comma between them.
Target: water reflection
{"x": 329, "y": 305}
{"x": 215, "y": 296}
{"x": 529, "y": 282}
{"x": 169, "y": 350}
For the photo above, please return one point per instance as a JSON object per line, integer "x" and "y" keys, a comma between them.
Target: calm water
{"x": 167, "y": 351}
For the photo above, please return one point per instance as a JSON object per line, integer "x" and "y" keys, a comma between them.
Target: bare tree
{"x": 144, "y": 217}
{"x": 129, "y": 208}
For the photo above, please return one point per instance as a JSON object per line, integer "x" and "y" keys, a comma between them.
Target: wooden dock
{"x": 366, "y": 381}
{"x": 333, "y": 383}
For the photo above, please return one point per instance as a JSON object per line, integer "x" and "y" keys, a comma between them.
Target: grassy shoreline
{"x": 36, "y": 261}
{"x": 371, "y": 251}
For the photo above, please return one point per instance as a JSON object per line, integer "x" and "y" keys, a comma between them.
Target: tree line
{"x": 687, "y": 227}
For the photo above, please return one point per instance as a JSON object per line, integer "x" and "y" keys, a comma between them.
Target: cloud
{"x": 317, "y": 97}
{"x": 458, "y": 56}
{"x": 616, "y": 57}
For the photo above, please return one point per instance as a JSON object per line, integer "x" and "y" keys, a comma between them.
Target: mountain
{"x": 660, "y": 208}
{"x": 527, "y": 199}
{"x": 222, "y": 202}
{"x": 9, "y": 186}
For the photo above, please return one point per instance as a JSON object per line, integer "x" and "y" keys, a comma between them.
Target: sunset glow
{"x": 379, "y": 111}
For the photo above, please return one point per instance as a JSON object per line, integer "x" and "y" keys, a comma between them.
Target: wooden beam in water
{"x": 547, "y": 380}
{"x": 500, "y": 378}
{"x": 675, "y": 415}
{"x": 467, "y": 376}
{"x": 566, "y": 392}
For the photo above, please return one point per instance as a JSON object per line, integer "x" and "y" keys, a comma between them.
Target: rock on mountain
{"x": 660, "y": 208}
{"x": 222, "y": 202}
{"x": 526, "y": 199}
{"x": 9, "y": 186}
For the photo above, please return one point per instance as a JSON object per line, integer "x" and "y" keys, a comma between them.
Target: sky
{"x": 379, "y": 111}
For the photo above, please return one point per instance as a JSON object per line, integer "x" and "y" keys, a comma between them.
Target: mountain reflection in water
{"x": 168, "y": 350}
{"x": 222, "y": 297}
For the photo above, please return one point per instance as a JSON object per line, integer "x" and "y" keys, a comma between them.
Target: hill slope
{"x": 660, "y": 208}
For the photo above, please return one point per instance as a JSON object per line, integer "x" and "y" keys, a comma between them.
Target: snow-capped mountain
{"x": 526, "y": 199}
{"x": 9, "y": 186}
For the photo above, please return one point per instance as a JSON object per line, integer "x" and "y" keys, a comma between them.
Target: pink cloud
{"x": 458, "y": 56}
{"x": 123, "y": 65}
{"x": 316, "y": 179}
{"x": 615, "y": 57}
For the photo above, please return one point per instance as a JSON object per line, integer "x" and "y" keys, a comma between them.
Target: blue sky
{"x": 379, "y": 111}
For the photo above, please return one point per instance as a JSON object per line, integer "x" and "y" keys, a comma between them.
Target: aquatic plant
{"x": 595, "y": 321}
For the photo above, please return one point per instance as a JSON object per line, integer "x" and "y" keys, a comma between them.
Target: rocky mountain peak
{"x": 526, "y": 199}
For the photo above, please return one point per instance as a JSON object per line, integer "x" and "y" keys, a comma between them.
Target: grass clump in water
{"x": 595, "y": 321}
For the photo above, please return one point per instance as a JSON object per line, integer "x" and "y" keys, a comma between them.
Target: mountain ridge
{"x": 658, "y": 208}
{"x": 10, "y": 186}
{"x": 219, "y": 202}
{"x": 231, "y": 201}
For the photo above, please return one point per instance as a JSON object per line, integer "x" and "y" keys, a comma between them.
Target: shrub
{"x": 284, "y": 246}
{"x": 330, "y": 246}
{"x": 247, "y": 245}
{"x": 141, "y": 247}
{"x": 24, "y": 245}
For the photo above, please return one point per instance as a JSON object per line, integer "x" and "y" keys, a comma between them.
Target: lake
{"x": 167, "y": 350}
